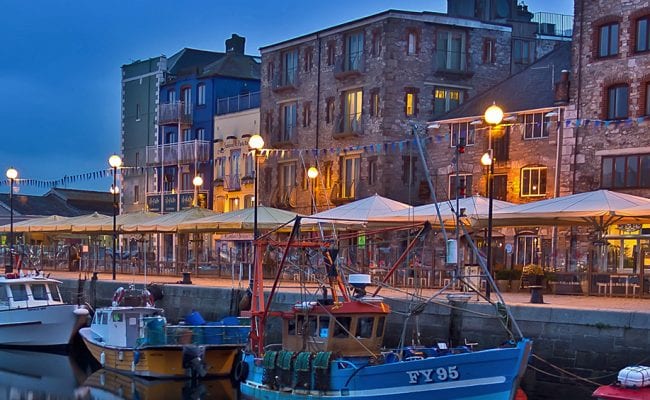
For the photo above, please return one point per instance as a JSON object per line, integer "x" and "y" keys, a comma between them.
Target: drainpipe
{"x": 318, "y": 40}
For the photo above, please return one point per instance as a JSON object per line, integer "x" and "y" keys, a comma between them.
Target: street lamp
{"x": 12, "y": 174}
{"x": 493, "y": 116}
{"x": 197, "y": 182}
{"x": 312, "y": 173}
{"x": 256, "y": 142}
{"x": 115, "y": 162}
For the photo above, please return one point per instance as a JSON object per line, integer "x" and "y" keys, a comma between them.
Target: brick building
{"x": 607, "y": 145}
{"x": 327, "y": 97}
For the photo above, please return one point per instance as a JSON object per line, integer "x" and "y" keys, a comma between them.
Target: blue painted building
{"x": 188, "y": 101}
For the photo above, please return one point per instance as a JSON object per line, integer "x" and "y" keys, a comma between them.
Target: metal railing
{"x": 552, "y": 24}
{"x": 286, "y": 81}
{"x": 451, "y": 61}
{"x": 351, "y": 123}
{"x": 350, "y": 63}
{"x": 234, "y": 104}
{"x": 173, "y": 153}
{"x": 174, "y": 113}
{"x": 232, "y": 182}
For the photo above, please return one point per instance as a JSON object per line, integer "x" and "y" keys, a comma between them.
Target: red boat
{"x": 618, "y": 392}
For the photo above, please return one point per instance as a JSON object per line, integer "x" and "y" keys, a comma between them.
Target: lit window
{"x": 446, "y": 99}
{"x": 353, "y": 106}
{"x": 374, "y": 103}
{"x": 350, "y": 171}
{"x": 533, "y": 181}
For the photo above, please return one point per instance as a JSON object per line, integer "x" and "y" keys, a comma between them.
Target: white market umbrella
{"x": 235, "y": 221}
{"x": 599, "y": 208}
{"x": 168, "y": 223}
{"x": 33, "y": 224}
{"x": 357, "y": 212}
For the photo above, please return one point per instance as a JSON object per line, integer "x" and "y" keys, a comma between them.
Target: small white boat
{"x": 33, "y": 313}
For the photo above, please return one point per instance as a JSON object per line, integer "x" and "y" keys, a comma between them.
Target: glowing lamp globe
{"x": 493, "y": 115}
{"x": 12, "y": 173}
{"x": 115, "y": 161}
{"x": 256, "y": 142}
{"x": 312, "y": 172}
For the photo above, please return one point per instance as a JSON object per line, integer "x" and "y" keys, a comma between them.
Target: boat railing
{"x": 197, "y": 334}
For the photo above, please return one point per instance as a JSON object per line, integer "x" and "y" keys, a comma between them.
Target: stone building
{"x": 339, "y": 97}
{"x": 606, "y": 145}
{"x": 526, "y": 149}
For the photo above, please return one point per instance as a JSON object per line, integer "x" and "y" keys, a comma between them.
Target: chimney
{"x": 562, "y": 89}
{"x": 235, "y": 44}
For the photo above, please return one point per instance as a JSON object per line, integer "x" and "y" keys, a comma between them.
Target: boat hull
{"x": 164, "y": 361}
{"x": 482, "y": 375}
{"x": 45, "y": 326}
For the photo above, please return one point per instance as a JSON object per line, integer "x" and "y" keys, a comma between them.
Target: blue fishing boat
{"x": 333, "y": 347}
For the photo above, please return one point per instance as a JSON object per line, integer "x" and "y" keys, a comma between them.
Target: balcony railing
{"x": 232, "y": 183}
{"x": 234, "y": 104}
{"x": 452, "y": 62}
{"x": 175, "y": 153}
{"x": 175, "y": 113}
{"x": 551, "y": 24}
{"x": 349, "y": 125}
{"x": 284, "y": 197}
{"x": 350, "y": 65}
{"x": 286, "y": 82}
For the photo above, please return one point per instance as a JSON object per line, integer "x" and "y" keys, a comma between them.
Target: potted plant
{"x": 532, "y": 275}
{"x": 503, "y": 278}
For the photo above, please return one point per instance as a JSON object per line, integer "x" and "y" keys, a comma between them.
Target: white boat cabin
{"x": 122, "y": 326}
{"x": 18, "y": 292}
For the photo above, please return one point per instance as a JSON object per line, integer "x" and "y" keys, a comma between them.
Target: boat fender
{"x": 118, "y": 296}
{"x": 241, "y": 371}
{"x": 102, "y": 359}
{"x": 136, "y": 357}
{"x": 132, "y": 366}
{"x": 80, "y": 311}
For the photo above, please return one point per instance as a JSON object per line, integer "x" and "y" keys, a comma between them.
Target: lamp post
{"x": 115, "y": 162}
{"x": 12, "y": 174}
{"x": 493, "y": 116}
{"x": 256, "y": 142}
{"x": 197, "y": 182}
{"x": 312, "y": 173}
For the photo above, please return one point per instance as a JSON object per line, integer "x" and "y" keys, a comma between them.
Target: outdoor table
{"x": 617, "y": 280}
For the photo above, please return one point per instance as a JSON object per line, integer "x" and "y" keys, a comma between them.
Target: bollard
{"x": 186, "y": 278}
{"x": 536, "y": 294}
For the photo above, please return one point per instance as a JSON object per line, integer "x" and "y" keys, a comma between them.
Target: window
{"x": 235, "y": 156}
{"x": 617, "y": 102}
{"x": 249, "y": 167}
{"x": 354, "y": 51}
{"x": 500, "y": 187}
{"x": 464, "y": 187}
{"x": 533, "y": 181}
{"x": 630, "y": 171}
{"x": 308, "y": 58}
{"x": 342, "y": 327}
{"x": 647, "y": 99}
{"x": 352, "y": 112}
{"x": 329, "y": 110}
{"x": 446, "y": 99}
{"x": 463, "y": 130}
{"x": 380, "y": 327}
{"x": 451, "y": 51}
{"x": 350, "y": 168}
{"x": 527, "y": 249}
{"x": 372, "y": 171}
{"x": 642, "y": 34}
{"x": 186, "y": 135}
{"x": 39, "y": 292}
{"x": 289, "y": 67}
{"x": 306, "y": 114}
{"x": 331, "y": 52}
{"x": 186, "y": 95}
{"x": 522, "y": 51}
{"x": 233, "y": 204}
{"x": 534, "y": 126}
{"x": 4, "y": 299}
{"x": 220, "y": 167}
{"x": 268, "y": 122}
{"x": 186, "y": 181}
{"x": 608, "y": 40}
{"x": 54, "y": 292}
{"x": 327, "y": 175}
{"x": 409, "y": 168}
{"x": 500, "y": 136}
{"x": 136, "y": 194}
{"x": 411, "y": 102}
{"x": 374, "y": 103}
{"x": 200, "y": 94}
{"x": 19, "y": 292}
{"x": 287, "y": 177}
{"x": 137, "y": 112}
{"x": 249, "y": 201}
{"x": 364, "y": 327}
{"x": 412, "y": 42}
{"x": 171, "y": 96}
{"x": 489, "y": 51}
{"x": 200, "y": 134}
{"x": 269, "y": 71}
{"x": 376, "y": 43}
{"x": 288, "y": 122}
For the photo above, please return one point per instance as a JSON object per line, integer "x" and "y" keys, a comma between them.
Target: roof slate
{"x": 529, "y": 89}
{"x": 235, "y": 66}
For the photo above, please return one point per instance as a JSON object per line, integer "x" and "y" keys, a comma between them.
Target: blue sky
{"x": 60, "y": 64}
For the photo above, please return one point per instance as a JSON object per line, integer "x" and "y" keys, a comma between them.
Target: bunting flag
{"x": 597, "y": 123}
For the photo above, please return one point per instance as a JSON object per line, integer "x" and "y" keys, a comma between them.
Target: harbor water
{"x": 75, "y": 375}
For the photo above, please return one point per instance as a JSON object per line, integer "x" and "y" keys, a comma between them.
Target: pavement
{"x": 521, "y": 298}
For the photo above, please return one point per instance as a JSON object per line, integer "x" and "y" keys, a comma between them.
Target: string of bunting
{"x": 586, "y": 122}
{"x": 67, "y": 179}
